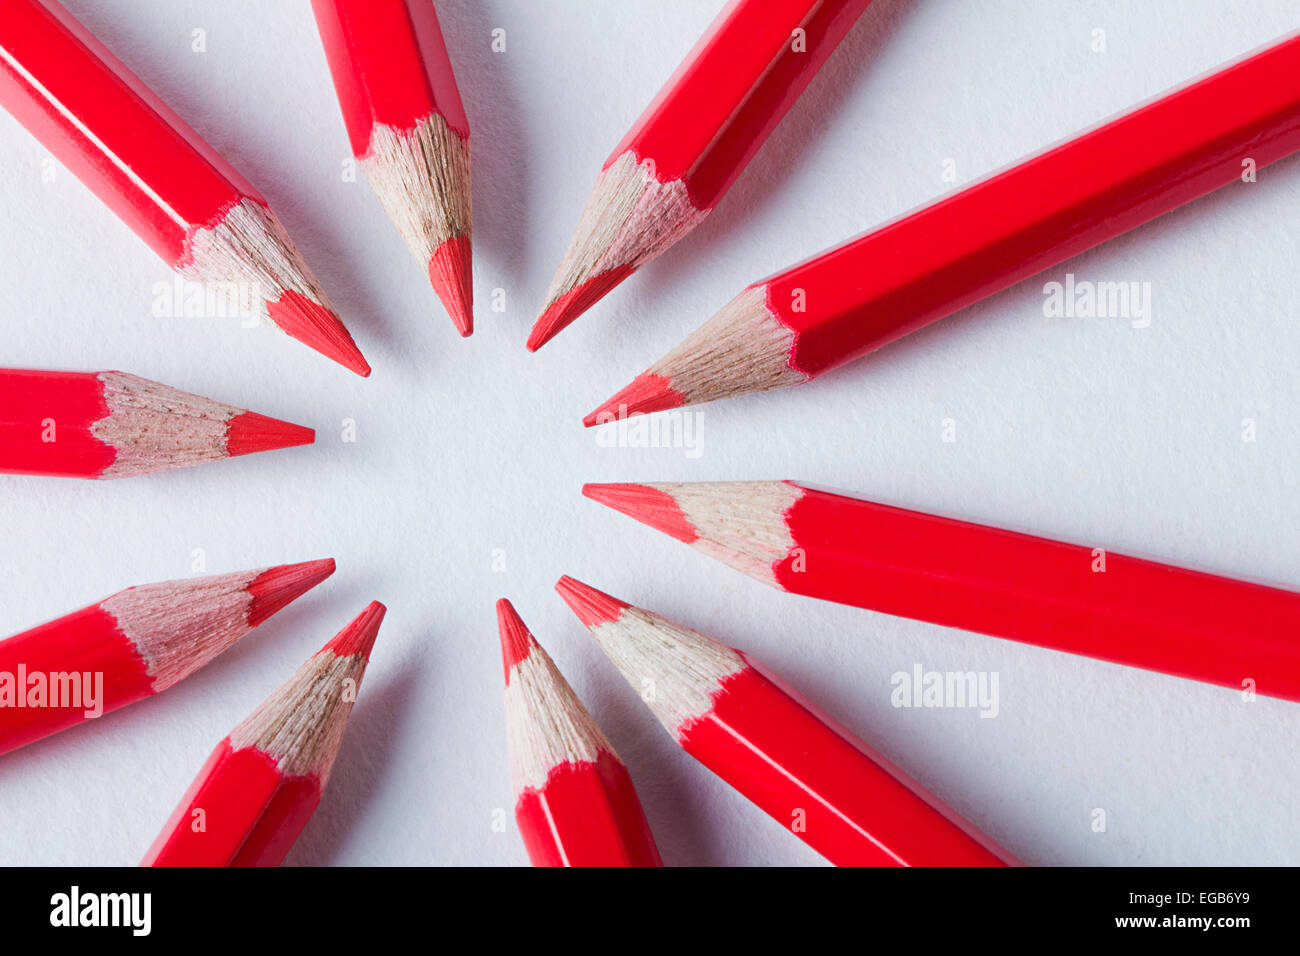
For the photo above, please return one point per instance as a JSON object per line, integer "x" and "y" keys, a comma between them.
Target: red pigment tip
{"x": 313, "y": 324}
{"x": 650, "y": 506}
{"x": 251, "y": 432}
{"x": 572, "y": 304}
{"x": 277, "y": 587}
{"x": 516, "y": 640}
{"x": 645, "y": 393}
{"x": 359, "y": 636}
{"x": 451, "y": 273}
{"x": 592, "y": 607}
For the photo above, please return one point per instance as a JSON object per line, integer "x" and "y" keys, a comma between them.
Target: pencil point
{"x": 592, "y": 607}
{"x": 359, "y": 636}
{"x": 318, "y": 326}
{"x": 517, "y": 642}
{"x": 452, "y": 275}
{"x": 647, "y": 504}
{"x": 277, "y": 587}
{"x": 647, "y": 392}
{"x": 251, "y": 432}
{"x": 561, "y": 313}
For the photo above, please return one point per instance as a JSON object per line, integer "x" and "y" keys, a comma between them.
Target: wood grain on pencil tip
{"x": 114, "y": 425}
{"x": 263, "y": 782}
{"x": 574, "y": 799}
{"x": 691, "y": 143}
{"x": 173, "y": 189}
{"x": 1068, "y": 597}
{"x": 134, "y": 644}
{"x": 809, "y": 774}
{"x": 930, "y": 263}
{"x": 408, "y": 131}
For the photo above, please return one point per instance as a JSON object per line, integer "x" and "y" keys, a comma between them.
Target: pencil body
{"x": 111, "y": 425}
{"x": 133, "y": 645}
{"x": 574, "y": 799}
{"x": 866, "y": 293}
{"x": 408, "y": 131}
{"x": 699, "y": 133}
{"x": 262, "y": 784}
{"x": 831, "y": 790}
{"x": 160, "y": 177}
{"x": 1052, "y": 594}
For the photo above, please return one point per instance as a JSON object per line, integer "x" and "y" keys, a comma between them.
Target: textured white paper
{"x": 470, "y": 453}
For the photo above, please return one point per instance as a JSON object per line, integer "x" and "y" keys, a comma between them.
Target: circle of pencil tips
{"x": 264, "y": 781}
{"x": 134, "y": 644}
{"x": 574, "y": 799}
{"x": 835, "y": 793}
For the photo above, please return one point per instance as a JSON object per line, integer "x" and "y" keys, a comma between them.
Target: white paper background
{"x": 1083, "y": 429}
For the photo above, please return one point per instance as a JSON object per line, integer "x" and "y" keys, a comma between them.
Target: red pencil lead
{"x": 359, "y": 636}
{"x": 646, "y": 504}
{"x": 561, "y": 312}
{"x": 251, "y": 432}
{"x": 517, "y": 642}
{"x": 645, "y": 393}
{"x": 318, "y": 325}
{"x": 277, "y": 587}
{"x": 592, "y": 607}
{"x": 451, "y": 272}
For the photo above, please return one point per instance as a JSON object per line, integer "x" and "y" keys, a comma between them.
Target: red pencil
{"x": 113, "y": 425}
{"x": 866, "y": 293}
{"x": 574, "y": 798}
{"x": 263, "y": 782}
{"x": 1063, "y": 596}
{"x": 408, "y": 131}
{"x": 834, "y": 792}
{"x": 173, "y": 189}
{"x": 694, "y": 139}
{"x": 133, "y": 645}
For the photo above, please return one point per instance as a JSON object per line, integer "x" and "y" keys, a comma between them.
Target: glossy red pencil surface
{"x": 111, "y": 424}
{"x": 156, "y": 173}
{"x": 866, "y": 293}
{"x": 408, "y": 129}
{"x": 262, "y": 784}
{"x": 1067, "y": 597}
{"x": 701, "y": 131}
{"x": 574, "y": 798}
{"x": 842, "y": 798}
{"x": 133, "y": 645}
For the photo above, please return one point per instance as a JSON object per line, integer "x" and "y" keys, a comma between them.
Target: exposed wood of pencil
{"x": 839, "y": 796}
{"x": 114, "y": 425}
{"x": 691, "y": 143}
{"x": 262, "y": 784}
{"x": 408, "y": 131}
{"x": 574, "y": 798}
{"x": 1076, "y": 598}
{"x": 159, "y": 176}
{"x": 864, "y": 294}
{"x": 134, "y": 644}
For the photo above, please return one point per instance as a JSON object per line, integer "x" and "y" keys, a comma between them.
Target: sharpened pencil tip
{"x": 251, "y": 432}
{"x": 359, "y": 636}
{"x": 645, "y": 393}
{"x": 451, "y": 273}
{"x": 561, "y": 313}
{"x": 277, "y": 587}
{"x": 517, "y": 642}
{"x": 647, "y": 504}
{"x": 318, "y": 326}
{"x": 592, "y": 607}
